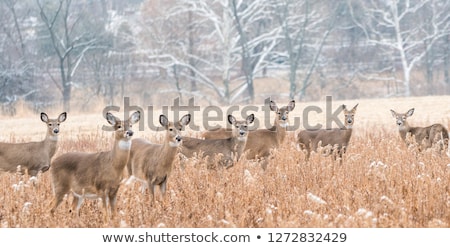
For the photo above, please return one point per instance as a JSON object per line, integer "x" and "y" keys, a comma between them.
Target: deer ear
{"x": 291, "y": 105}
{"x": 44, "y": 117}
{"x": 354, "y": 108}
{"x": 410, "y": 112}
{"x": 111, "y": 119}
{"x": 62, "y": 117}
{"x": 273, "y": 106}
{"x": 394, "y": 114}
{"x": 250, "y": 119}
{"x": 135, "y": 117}
{"x": 185, "y": 119}
{"x": 231, "y": 119}
{"x": 163, "y": 121}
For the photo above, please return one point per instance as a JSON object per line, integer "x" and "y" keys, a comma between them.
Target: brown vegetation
{"x": 381, "y": 183}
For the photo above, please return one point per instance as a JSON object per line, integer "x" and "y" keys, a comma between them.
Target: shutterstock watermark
{"x": 213, "y": 114}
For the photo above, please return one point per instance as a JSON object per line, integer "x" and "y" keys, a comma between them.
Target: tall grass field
{"x": 381, "y": 182}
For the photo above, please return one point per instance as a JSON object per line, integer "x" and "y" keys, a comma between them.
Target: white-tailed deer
{"x": 150, "y": 163}
{"x": 231, "y": 149}
{"x": 337, "y": 138}
{"x": 425, "y": 137}
{"x": 32, "y": 157}
{"x": 260, "y": 142}
{"x": 94, "y": 175}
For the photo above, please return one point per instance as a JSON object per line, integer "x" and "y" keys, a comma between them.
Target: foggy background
{"x": 82, "y": 55}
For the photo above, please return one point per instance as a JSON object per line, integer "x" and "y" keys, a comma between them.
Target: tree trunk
{"x": 429, "y": 68}
{"x": 245, "y": 53}
{"x": 293, "y": 84}
{"x": 447, "y": 65}
{"x": 67, "y": 90}
{"x": 191, "y": 51}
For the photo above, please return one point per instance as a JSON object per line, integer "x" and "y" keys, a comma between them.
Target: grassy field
{"x": 381, "y": 183}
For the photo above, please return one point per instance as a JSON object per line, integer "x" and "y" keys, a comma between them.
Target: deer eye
{"x": 119, "y": 126}
{"x": 171, "y": 129}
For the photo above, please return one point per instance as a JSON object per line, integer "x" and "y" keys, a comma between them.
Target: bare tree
{"x": 170, "y": 43}
{"x": 215, "y": 46}
{"x": 305, "y": 27}
{"x": 256, "y": 38}
{"x": 16, "y": 65}
{"x": 202, "y": 46}
{"x": 69, "y": 39}
{"x": 394, "y": 26}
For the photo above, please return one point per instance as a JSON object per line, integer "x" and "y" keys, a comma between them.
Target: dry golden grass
{"x": 381, "y": 182}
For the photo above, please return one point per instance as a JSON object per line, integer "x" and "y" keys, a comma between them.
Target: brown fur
{"x": 230, "y": 149}
{"x": 425, "y": 137}
{"x": 337, "y": 138}
{"x": 260, "y": 142}
{"x": 94, "y": 175}
{"x": 32, "y": 157}
{"x": 153, "y": 162}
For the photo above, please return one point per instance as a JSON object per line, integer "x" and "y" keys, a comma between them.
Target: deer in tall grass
{"x": 150, "y": 163}
{"x": 32, "y": 157}
{"x": 261, "y": 142}
{"x": 424, "y": 137}
{"x": 230, "y": 149}
{"x": 336, "y": 138}
{"x": 94, "y": 175}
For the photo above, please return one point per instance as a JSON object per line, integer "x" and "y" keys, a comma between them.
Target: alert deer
{"x": 231, "y": 149}
{"x": 261, "y": 141}
{"x": 425, "y": 137}
{"x": 337, "y": 138}
{"x": 152, "y": 163}
{"x": 33, "y": 157}
{"x": 94, "y": 175}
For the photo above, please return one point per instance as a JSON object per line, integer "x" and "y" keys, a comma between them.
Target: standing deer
{"x": 94, "y": 175}
{"x": 261, "y": 141}
{"x": 32, "y": 157}
{"x": 425, "y": 137}
{"x": 152, "y": 163}
{"x": 337, "y": 138}
{"x": 230, "y": 149}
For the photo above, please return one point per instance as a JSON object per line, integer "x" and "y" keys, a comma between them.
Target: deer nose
{"x": 129, "y": 133}
{"x": 178, "y": 138}
{"x": 242, "y": 133}
{"x": 56, "y": 130}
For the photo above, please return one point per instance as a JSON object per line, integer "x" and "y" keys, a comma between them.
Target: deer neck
{"x": 238, "y": 145}
{"x": 280, "y": 130}
{"x": 50, "y": 142}
{"x": 168, "y": 152}
{"x": 403, "y": 130}
{"x": 120, "y": 154}
{"x": 348, "y": 132}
